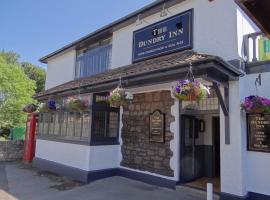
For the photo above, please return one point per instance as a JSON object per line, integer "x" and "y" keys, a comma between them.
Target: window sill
{"x": 104, "y": 143}
{"x": 79, "y": 142}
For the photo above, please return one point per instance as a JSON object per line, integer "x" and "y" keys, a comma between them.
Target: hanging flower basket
{"x": 256, "y": 104}
{"x": 48, "y": 106}
{"x": 192, "y": 106}
{"x": 30, "y": 108}
{"x": 76, "y": 104}
{"x": 118, "y": 97}
{"x": 187, "y": 90}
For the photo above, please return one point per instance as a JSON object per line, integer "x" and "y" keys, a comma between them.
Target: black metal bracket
{"x": 224, "y": 103}
{"x": 221, "y": 100}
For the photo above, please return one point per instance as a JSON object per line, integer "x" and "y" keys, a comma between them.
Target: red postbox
{"x": 30, "y": 137}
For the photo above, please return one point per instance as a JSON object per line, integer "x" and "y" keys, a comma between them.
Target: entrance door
{"x": 189, "y": 156}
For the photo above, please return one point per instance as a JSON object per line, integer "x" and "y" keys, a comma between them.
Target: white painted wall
{"x": 233, "y": 155}
{"x": 208, "y": 134}
{"x": 73, "y": 155}
{"x": 60, "y": 69}
{"x": 88, "y": 158}
{"x": 215, "y": 30}
{"x": 257, "y": 163}
{"x": 104, "y": 157}
{"x": 175, "y": 143}
{"x": 258, "y": 174}
{"x": 206, "y": 138}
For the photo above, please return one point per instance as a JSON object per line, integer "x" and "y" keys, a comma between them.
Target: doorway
{"x": 200, "y": 152}
{"x": 216, "y": 146}
{"x": 190, "y": 169}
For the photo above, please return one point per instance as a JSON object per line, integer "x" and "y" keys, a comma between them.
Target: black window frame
{"x": 105, "y": 107}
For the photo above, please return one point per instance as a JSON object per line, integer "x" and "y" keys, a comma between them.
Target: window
{"x": 105, "y": 121}
{"x": 97, "y": 126}
{"x": 94, "y": 59}
{"x": 66, "y": 125}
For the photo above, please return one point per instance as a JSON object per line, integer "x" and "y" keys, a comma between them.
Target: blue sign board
{"x": 167, "y": 36}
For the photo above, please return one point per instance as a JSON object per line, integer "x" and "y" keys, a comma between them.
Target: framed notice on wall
{"x": 157, "y": 127}
{"x": 258, "y": 128}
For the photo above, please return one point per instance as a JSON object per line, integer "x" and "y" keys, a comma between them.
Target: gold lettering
{"x": 173, "y": 34}
{"x": 151, "y": 41}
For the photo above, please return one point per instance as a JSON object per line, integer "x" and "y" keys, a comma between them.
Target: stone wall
{"x": 138, "y": 152}
{"x": 11, "y": 150}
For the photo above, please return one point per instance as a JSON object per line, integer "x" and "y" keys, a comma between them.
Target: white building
{"x": 150, "y": 50}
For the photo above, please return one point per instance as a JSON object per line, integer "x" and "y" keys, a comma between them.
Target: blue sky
{"x": 34, "y": 28}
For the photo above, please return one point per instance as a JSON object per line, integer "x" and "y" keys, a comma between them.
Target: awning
{"x": 153, "y": 71}
{"x": 259, "y": 12}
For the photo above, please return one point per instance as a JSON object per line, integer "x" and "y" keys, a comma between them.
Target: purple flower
{"x": 265, "y": 101}
{"x": 248, "y": 104}
{"x": 177, "y": 89}
{"x": 250, "y": 97}
{"x": 256, "y": 102}
{"x": 52, "y": 104}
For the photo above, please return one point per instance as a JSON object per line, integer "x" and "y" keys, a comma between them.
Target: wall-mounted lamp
{"x": 258, "y": 80}
{"x": 201, "y": 125}
{"x": 139, "y": 21}
{"x": 129, "y": 95}
{"x": 164, "y": 11}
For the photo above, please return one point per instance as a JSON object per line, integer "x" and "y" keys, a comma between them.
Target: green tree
{"x": 16, "y": 90}
{"x": 35, "y": 73}
{"x": 10, "y": 57}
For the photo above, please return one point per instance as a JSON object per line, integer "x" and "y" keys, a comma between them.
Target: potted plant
{"x": 118, "y": 97}
{"x": 48, "y": 106}
{"x": 187, "y": 90}
{"x": 256, "y": 104}
{"x": 30, "y": 108}
{"x": 74, "y": 104}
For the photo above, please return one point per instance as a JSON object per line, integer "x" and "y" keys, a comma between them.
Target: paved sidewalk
{"x": 3, "y": 178}
{"x": 17, "y": 183}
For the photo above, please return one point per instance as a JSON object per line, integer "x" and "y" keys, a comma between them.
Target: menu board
{"x": 258, "y": 132}
{"x": 157, "y": 127}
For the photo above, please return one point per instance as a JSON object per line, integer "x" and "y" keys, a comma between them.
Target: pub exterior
{"x": 155, "y": 136}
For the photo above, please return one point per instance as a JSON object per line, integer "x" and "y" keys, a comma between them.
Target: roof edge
{"x": 111, "y": 25}
{"x": 209, "y": 59}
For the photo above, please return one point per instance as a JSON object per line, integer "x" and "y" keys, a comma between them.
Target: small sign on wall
{"x": 157, "y": 127}
{"x": 258, "y": 127}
